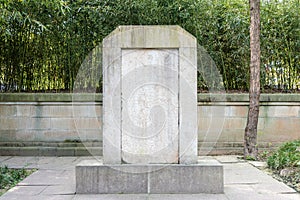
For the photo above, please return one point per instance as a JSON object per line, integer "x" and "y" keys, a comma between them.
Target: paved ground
{"x": 55, "y": 180}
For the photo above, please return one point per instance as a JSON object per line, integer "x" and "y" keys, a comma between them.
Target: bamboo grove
{"x": 44, "y": 42}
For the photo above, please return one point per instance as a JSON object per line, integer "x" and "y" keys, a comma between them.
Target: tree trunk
{"x": 250, "y": 140}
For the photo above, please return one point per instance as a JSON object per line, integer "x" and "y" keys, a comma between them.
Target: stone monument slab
{"x": 155, "y": 66}
{"x": 149, "y": 117}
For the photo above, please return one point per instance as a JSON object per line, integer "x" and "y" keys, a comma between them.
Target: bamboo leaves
{"x": 43, "y": 43}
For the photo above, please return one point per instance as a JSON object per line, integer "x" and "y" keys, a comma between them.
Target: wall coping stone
{"x": 88, "y": 97}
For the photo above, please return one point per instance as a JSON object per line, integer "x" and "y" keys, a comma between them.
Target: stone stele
{"x": 149, "y": 117}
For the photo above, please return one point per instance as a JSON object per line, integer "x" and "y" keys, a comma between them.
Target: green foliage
{"x": 10, "y": 177}
{"x": 264, "y": 155}
{"x": 281, "y": 44}
{"x": 288, "y": 155}
{"x": 250, "y": 158}
{"x": 43, "y": 42}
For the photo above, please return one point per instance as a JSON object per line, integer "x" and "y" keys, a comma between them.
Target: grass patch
{"x": 285, "y": 163}
{"x": 288, "y": 155}
{"x": 11, "y": 177}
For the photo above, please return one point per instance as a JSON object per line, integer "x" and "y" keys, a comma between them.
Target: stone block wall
{"x": 57, "y": 124}
{"x": 49, "y": 122}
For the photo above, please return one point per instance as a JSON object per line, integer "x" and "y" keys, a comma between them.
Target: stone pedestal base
{"x": 94, "y": 177}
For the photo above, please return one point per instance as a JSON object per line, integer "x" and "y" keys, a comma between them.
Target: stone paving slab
{"x": 258, "y": 164}
{"x": 38, "y": 197}
{"x": 3, "y": 158}
{"x": 59, "y": 163}
{"x": 66, "y": 189}
{"x": 53, "y": 163}
{"x": 49, "y": 177}
{"x": 153, "y": 197}
{"x": 247, "y": 192}
{"x": 18, "y": 162}
{"x": 228, "y": 159}
{"x": 244, "y": 173}
{"x": 55, "y": 180}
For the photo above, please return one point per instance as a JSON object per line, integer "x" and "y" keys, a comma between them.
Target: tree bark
{"x": 250, "y": 138}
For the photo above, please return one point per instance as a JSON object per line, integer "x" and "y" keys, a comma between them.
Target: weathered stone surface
{"x": 242, "y": 181}
{"x": 191, "y": 179}
{"x": 94, "y": 177}
{"x": 272, "y": 130}
{"x": 49, "y": 97}
{"x": 149, "y": 98}
{"x": 149, "y": 106}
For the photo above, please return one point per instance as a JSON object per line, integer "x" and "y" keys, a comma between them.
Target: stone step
{"x": 52, "y": 144}
{"x": 50, "y": 151}
{"x": 79, "y": 149}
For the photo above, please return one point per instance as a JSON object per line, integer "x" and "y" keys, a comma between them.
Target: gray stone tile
{"x": 4, "y": 158}
{"x": 294, "y": 196}
{"x": 200, "y": 158}
{"x": 53, "y": 163}
{"x": 82, "y": 158}
{"x": 48, "y": 177}
{"x": 34, "y": 161}
{"x": 66, "y": 189}
{"x": 273, "y": 186}
{"x": 239, "y": 191}
{"x": 27, "y": 190}
{"x": 250, "y": 192}
{"x": 59, "y": 163}
{"x": 258, "y": 164}
{"x": 19, "y": 162}
{"x": 69, "y": 174}
{"x": 243, "y": 173}
{"x": 187, "y": 197}
{"x": 242, "y": 181}
{"x": 228, "y": 159}
{"x": 256, "y": 196}
{"x": 152, "y": 197}
{"x": 37, "y": 197}
{"x": 112, "y": 197}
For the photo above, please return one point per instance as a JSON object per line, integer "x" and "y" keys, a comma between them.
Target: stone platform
{"x": 94, "y": 177}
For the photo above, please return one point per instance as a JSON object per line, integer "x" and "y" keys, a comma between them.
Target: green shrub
{"x": 288, "y": 155}
{"x": 43, "y": 42}
{"x": 10, "y": 177}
